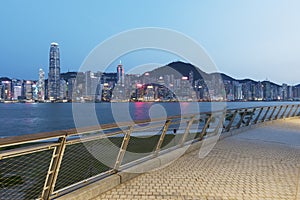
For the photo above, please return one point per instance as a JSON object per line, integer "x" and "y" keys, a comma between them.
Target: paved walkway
{"x": 262, "y": 163}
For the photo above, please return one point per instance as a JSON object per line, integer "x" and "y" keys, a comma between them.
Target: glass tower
{"x": 54, "y": 72}
{"x": 120, "y": 74}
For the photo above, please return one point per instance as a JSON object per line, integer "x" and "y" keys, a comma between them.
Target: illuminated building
{"x": 120, "y": 74}
{"x": 28, "y": 90}
{"x": 54, "y": 72}
{"x": 6, "y": 89}
{"x": 17, "y": 92}
{"x": 41, "y": 85}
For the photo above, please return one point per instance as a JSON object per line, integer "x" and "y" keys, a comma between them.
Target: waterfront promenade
{"x": 259, "y": 163}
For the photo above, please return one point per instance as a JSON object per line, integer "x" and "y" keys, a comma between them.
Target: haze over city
{"x": 247, "y": 39}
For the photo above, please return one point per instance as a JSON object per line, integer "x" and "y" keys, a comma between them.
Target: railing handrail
{"x": 19, "y": 139}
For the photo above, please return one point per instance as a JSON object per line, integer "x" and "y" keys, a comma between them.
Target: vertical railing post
{"x": 282, "y": 116}
{"x": 187, "y": 131}
{"x": 162, "y": 137}
{"x": 280, "y": 108}
{"x": 231, "y": 121}
{"x": 289, "y": 113}
{"x": 265, "y": 115}
{"x": 203, "y": 132}
{"x": 274, "y": 108}
{"x": 54, "y": 167}
{"x": 294, "y": 114}
{"x": 257, "y": 118}
{"x": 123, "y": 149}
{"x": 249, "y": 120}
{"x": 241, "y": 120}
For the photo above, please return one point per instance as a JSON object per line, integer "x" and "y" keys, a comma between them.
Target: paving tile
{"x": 240, "y": 167}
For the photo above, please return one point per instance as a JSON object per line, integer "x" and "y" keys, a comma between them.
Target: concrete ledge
{"x": 171, "y": 156}
{"x": 93, "y": 190}
{"x": 194, "y": 147}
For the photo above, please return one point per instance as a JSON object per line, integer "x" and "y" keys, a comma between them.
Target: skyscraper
{"x": 120, "y": 74}
{"x": 41, "y": 85}
{"x": 54, "y": 72}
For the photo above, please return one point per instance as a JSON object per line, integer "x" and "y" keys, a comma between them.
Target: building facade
{"x": 120, "y": 74}
{"x": 54, "y": 73}
{"x": 41, "y": 85}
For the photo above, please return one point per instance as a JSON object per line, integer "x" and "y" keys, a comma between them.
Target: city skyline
{"x": 248, "y": 39}
{"x": 176, "y": 81}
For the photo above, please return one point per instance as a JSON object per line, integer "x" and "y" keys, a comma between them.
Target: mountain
{"x": 297, "y": 85}
{"x": 5, "y": 79}
{"x": 179, "y": 69}
{"x": 68, "y": 75}
{"x": 271, "y": 83}
{"x": 247, "y": 80}
{"x": 223, "y": 76}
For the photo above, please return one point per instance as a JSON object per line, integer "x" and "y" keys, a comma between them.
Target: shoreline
{"x": 125, "y": 101}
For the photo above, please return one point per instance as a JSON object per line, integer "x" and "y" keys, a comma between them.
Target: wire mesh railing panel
{"x": 84, "y": 160}
{"x": 276, "y": 113}
{"x": 248, "y": 115}
{"x": 255, "y": 115}
{"x": 262, "y": 115}
{"x": 172, "y": 138}
{"x": 227, "y": 118}
{"x": 194, "y": 130}
{"x": 289, "y": 111}
{"x": 280, "y": 112}
{"x": 294, "y": 110}
{"x": 202, "y": 122}
{"x": 269, "y": 114}
{"x": 215, "y": 123}
{"x": 297, "y": 112}
{"x": 283, "y": 112}
{"x": 272, "y": 113}
{"x": 140, "y": 147}
{"x": 23, "y": 177}
{"x": 236, "y": 119}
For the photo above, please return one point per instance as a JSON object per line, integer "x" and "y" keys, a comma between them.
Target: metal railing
{"x": 46, "y": 165}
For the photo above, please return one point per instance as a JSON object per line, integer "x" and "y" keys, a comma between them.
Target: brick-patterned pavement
{"x": 262, "y": 163}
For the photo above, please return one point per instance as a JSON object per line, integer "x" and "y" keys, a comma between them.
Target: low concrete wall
{"x": 93, "y": 190}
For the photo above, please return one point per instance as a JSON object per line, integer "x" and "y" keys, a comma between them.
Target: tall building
{"x": 28, "y": 90}
{"x": 41, "y": 85}
{"x": 88, "y": 82}
{"x": 284, "y": 91}
{"x": 6, "y": 92}
{"x": 54, "y": 72}
{"x": 120, "y": 74}
{"x": 17, "y": 92}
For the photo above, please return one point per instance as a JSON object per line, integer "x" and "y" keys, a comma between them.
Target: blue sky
{"x": 255, "y": 39}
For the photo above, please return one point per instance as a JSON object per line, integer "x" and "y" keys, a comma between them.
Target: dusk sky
{"x": 258, "y": 39}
